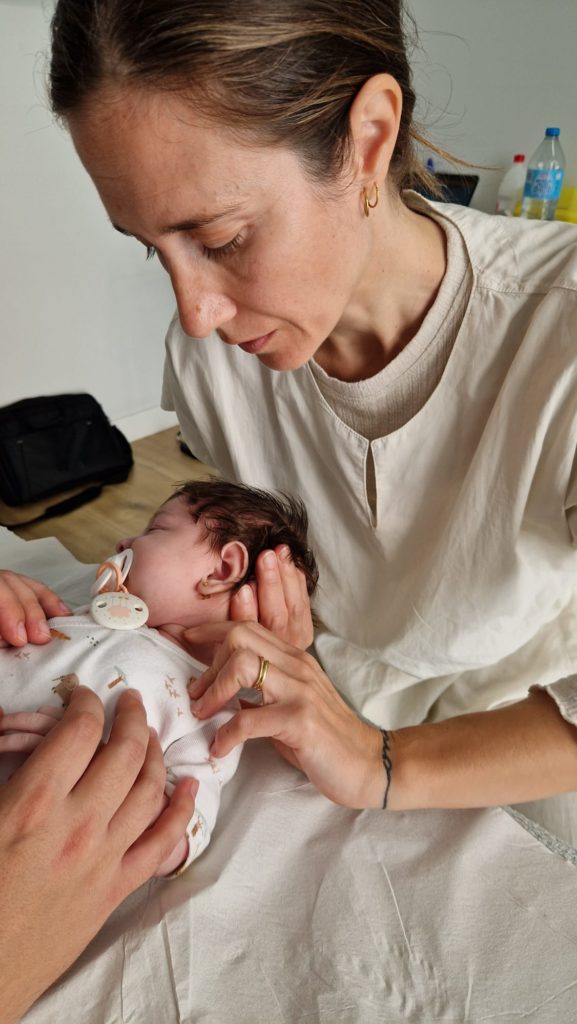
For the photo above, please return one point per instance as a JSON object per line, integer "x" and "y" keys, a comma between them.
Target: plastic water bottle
{"x": 544, "y": 179}
{"x": 511, "y": 186}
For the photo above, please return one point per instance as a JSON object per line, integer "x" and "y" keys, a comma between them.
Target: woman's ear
{"x": 374, "y": 121}
{"x": 230, "y": 568}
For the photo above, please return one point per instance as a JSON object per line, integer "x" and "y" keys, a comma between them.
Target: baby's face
{"x": 171, "y": 557}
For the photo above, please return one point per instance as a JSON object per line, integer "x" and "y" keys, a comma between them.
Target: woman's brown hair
{"x": 284, "y": 72}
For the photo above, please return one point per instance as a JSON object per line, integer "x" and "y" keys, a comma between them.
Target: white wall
{"x": 80, "y": 308}
{"x": 494, "y": 74}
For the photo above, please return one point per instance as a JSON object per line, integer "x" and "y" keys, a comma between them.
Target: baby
{"x": 198, "y": 549}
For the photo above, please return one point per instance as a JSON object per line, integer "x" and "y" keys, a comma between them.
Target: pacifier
{"x": 112, "y": 605}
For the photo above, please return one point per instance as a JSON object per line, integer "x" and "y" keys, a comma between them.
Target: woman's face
{"x": 254, "y": 250}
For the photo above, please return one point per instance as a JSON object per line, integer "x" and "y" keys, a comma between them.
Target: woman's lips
{"x": 255, "y": 344}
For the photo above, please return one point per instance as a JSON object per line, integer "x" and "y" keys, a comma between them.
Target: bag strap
{"x": 61, "y": 507}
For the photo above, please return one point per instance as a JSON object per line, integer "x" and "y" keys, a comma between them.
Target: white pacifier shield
{"x": 119, "y": 611}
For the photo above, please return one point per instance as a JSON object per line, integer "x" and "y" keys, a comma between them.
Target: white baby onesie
{"x": 108, "y": 661}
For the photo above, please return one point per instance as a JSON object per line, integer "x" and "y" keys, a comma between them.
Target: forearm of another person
{"x": 524, "y": 751}
{"x": 75, "y": 841}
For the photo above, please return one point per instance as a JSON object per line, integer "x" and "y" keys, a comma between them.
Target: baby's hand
{"x": 22, "y": 731}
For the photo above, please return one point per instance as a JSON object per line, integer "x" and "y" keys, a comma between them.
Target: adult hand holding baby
{"x": 74, "y": 839}
{"x": 302, "y": 713}
{"x": 279, "y": 599}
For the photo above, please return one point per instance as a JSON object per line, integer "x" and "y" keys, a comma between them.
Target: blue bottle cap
{"x": 553, "y": 131}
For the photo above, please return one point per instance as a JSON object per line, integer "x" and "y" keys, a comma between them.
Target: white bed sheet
{"x": 301, "y": 911}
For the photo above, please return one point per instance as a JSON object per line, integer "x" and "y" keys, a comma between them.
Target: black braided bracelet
{"x": 387, "y": 763}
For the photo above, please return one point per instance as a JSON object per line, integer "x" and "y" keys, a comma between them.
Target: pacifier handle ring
{"x": 118, "y": 575}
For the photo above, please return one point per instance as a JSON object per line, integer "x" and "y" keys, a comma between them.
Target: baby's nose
{"x": 123, "y": 544}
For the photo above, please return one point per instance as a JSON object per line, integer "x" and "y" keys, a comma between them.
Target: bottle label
{"x": 542, "y": 184}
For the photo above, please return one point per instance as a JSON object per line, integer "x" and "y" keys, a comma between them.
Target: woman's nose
{"x": 200, "y": 310}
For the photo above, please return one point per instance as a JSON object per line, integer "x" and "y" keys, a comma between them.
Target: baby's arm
{"x": 190, "y": 756}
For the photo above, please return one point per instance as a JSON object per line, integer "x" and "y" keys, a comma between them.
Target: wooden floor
{"x": 91, "y": 532}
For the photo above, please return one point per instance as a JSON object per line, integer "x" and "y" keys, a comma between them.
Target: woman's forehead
{"x": 153, "y": 145}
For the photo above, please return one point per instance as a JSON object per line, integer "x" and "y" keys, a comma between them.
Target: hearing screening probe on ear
{"x": 112, "y": 605}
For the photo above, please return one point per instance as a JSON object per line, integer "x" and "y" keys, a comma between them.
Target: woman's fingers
{"x": 241, "y": 672}
{"x": 236, "y": 637}
{"x": 143, "y": 801}
{"x": 250, "y": 724}
{"x": 279, "y": 599}
{"x": 25, "y": 604}
{"x": 299, "y": 623}
{"x": 118, "y": 763}
{"x": 244, "y": 604}
{"x": 273, "y": 611}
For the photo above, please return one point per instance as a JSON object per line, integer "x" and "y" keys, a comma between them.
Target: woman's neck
{"x": 402, "y": 273}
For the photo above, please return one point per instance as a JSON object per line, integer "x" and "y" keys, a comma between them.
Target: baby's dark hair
{"x": 260, "y": 519}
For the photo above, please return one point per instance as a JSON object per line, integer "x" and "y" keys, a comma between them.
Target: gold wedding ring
{"x": 260, "y": 679}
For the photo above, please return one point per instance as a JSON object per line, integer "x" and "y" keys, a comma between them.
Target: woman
{"x": 408, "y": 369}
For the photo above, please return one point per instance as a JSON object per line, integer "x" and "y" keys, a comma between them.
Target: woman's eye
{"x": 221, "y": 251}
{"x": 150, "y": 252}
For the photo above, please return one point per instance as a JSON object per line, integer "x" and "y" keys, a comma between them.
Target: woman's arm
{"x": 74, "y": 839}
{"x": 524, "y": 751}
{"x": 25, "y": 604}
{"x": 521, "y": 752}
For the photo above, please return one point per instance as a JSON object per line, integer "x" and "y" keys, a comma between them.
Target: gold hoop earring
{"x": 204, "y": 583}
{"x": 367, "y": 206}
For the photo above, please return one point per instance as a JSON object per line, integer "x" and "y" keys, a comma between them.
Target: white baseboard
{"x": 142, "y": 424}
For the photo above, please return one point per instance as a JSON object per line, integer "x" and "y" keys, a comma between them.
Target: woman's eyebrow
{"x": 192, "y": 224}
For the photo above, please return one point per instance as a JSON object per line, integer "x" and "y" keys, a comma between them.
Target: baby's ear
{"x": 231, "y": 568}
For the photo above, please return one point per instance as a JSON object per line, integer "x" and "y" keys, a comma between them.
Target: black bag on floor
{"x": 55, "y": 443}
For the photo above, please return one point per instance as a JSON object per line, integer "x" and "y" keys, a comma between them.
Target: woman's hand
{"x": 308, "y": 722}
{"x": 25, "y": 604}
{"x": 74, "y": 839}
{"x": 279, "y": 601}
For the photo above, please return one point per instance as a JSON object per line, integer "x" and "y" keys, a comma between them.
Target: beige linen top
{"x": 449, "y": 582}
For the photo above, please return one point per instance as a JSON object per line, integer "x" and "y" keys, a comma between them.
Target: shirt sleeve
{"x": 564, "y": 693}
{"x": 179, "y": 397}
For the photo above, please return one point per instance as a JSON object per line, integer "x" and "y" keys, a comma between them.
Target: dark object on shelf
{"x": 55, "y": 443}
{"x": 457, "y": 188}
